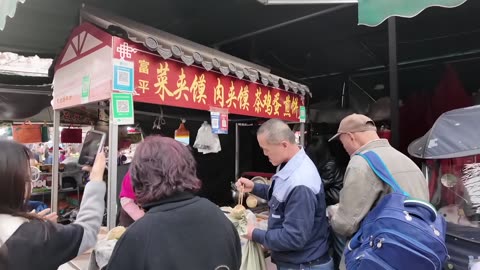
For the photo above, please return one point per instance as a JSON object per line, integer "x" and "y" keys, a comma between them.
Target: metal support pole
{"x": 55, "y": 167}
{"x": 237, "y": 151}
{"x": 112, "y": 172}
{"x": 302, "y": 134}
{"x": 426, "y": 172}
{"x": 342, "y": 104}
{"x": 392, "y": 51}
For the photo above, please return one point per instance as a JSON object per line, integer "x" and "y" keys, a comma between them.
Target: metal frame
{"x": 112, "y": 168}
{"x": 112, "y": 171}
{"x": 392, "y": 50}
{"x": 237, "y": 151}
{"x": 112, "y": 161}
{"x": 302, "y": 134}
{"x": 466, "y": 56}
{"x": 55, "y": 165}
{"x": 393, "y": 75}
{"x": 276, "y": 26}
{"x": 305, "y": 2}
{"x": 90, "y": 15}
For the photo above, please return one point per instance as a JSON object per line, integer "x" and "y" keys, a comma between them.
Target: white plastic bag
{"x": 207, "y": 142}
{"x": 252, "y": 253}
{"x": 101, "y": 254}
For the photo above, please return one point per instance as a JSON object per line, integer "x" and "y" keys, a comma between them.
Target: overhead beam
{"x": 305, "y": 2}
{"x": 27, "y": 50}
{"x": 25, "y": 92}
{"x": 279, "y": 25}
{"x": 448, "y": 58}
{"x": 171, "y": 116}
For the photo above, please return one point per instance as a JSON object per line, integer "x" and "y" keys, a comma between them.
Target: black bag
{"x": 463, "y": 244}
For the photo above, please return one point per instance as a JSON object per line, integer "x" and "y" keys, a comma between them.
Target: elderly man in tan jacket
{"x": 362, "y": 189}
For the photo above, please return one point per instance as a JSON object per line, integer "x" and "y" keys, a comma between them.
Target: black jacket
{"x": 330, "y": 172}
{"x": 332, "y": 178}
{"x": 179, "y": 233}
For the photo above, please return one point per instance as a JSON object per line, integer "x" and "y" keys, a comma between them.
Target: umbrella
{"x": 374, "y": 12}
{"x": 455, "y": 134}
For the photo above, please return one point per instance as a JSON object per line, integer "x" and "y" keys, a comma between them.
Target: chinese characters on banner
{"x": 168, "y": 82}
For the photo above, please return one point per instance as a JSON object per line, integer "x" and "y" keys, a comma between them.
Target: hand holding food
{"x": 246, "y": 183}
{"x": 239, "y": 210}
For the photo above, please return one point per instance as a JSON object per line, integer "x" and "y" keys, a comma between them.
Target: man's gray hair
{"x": 276, "y": 131}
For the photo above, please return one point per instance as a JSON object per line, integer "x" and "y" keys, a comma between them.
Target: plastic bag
{"x": 101, "y": 254}
{"x": 207, "y": 142}
{"x": 252, "y": 253}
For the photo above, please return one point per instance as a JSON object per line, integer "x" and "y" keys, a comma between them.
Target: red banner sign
{"x": 169, "y": 82}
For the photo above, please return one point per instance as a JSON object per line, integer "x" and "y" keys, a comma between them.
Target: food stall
{"x": 450, "y": 151}
{"x": 112, "y": 62}
{"x": 35, "y": 133}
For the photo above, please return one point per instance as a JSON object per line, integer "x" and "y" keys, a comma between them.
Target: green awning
{"x": 374, "y": 12}
{"x": 7, "y": 8}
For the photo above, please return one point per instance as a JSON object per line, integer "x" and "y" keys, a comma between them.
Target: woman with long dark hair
{"x": 28, "y": 241}
{"x": 179, "y": 230}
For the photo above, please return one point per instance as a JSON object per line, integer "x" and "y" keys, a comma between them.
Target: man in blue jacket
{"x": 298, "y": 229}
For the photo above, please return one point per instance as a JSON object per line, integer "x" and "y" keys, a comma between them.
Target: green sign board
{"x": 85, "y": 88}
{"x": 122, "y": 109}
{"x": 303, "y": 114}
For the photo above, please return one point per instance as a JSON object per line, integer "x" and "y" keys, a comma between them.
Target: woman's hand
{"x": 96, "y": 172}
{"x": 45, "y": 214}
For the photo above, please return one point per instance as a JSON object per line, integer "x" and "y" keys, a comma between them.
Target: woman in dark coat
{"x": 179, "y": 230}
{"x": 332, "y": 178}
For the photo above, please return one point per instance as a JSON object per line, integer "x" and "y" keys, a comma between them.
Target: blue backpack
{"x": 399, "y": 232}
